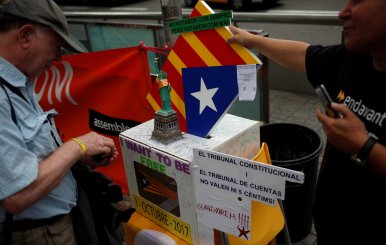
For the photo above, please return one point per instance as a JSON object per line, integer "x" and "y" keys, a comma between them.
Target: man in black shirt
{"x": 350, "y": 203}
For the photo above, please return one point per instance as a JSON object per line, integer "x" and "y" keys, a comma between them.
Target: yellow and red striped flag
{"x": 198, "y": 49}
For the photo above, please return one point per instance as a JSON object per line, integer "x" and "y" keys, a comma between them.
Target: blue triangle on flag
{"x": 208, "y": 93}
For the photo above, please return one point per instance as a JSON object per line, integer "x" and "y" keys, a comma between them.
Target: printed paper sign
{"x": 226, "y": 185}
{"x": 246, "y": 80}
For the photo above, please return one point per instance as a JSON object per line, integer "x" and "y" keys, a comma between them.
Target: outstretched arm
{"x": 287, "y": 53}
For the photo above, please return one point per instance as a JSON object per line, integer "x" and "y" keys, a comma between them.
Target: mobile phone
{"x": 321, "y": 91}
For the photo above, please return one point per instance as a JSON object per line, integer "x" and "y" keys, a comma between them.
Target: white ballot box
{"x": 160, "y": 177}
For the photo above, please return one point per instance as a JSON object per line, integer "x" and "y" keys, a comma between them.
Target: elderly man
{"x": 36, "y": 184}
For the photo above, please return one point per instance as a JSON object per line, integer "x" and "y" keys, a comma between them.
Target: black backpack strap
{"x": 7, "y": 230}
{"x": 9, "y": 99}
{"x": 14, "y": 90}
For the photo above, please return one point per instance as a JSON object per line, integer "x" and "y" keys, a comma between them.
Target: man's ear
{"x": 25, "y": 33}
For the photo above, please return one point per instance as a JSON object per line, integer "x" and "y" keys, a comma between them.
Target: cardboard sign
{"x": 226, "y": 185}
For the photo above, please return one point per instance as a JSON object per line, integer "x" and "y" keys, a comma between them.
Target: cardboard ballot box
{"x": 160, "y": 177}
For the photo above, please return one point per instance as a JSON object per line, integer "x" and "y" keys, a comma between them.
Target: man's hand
{"x": 348, "y": 133}
{"x": 101, "y": 150}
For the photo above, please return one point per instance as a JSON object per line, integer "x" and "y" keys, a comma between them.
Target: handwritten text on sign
{"x": 154, "y": 159}
{"x": 225, "y": 186}
{"x": 164, "y": 219}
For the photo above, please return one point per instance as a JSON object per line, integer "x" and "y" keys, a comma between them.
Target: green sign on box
{"x": 204, "y": 22}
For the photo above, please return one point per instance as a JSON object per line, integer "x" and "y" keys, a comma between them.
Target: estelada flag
{"x": 198, "y": 49}
{"x": 102, "y": 91}
{"x": 208, "y": 93}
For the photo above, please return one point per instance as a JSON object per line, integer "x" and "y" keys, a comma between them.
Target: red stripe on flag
{"x": 195, "y": 13}
{"x": 174, "y": 78}
{"x": 187, "y": 54}
{"x": 218, "y": 47}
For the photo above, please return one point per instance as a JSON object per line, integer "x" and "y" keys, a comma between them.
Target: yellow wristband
{"x": 81, "y": 144}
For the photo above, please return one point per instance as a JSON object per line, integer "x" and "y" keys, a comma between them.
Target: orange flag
{"x": 101, "y": 91}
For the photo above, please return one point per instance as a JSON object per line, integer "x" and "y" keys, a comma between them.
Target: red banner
{"x": 102, "y": 91}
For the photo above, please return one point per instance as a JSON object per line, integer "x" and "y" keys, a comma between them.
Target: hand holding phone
{"x": 326, "y": 100}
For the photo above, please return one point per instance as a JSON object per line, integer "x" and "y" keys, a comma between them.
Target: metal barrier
{"x": 285, "y": 17}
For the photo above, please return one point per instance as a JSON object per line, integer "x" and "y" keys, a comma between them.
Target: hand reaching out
{"x": 240, "y": 36}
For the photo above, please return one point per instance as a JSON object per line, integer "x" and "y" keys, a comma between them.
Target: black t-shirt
{"x": 350, "y": 201}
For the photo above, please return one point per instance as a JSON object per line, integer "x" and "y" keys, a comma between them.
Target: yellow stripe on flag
{"x": 178, "y": 64}
{"x": 178, "y": 102}
{"x": 176, "y": 61}
{"x": 152, "y": 102}
{"x": 203, "y": 8}
{"x": 200, "y": 49}
{"x": 245, "y": 54}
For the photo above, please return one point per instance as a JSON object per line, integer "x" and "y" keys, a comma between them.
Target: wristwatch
{"x": 360, "y": 159}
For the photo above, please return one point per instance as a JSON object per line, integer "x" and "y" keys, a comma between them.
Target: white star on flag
{"x": 205, "y": 97}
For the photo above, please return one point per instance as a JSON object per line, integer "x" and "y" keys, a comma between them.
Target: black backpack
{"x": 95, "y": 220}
